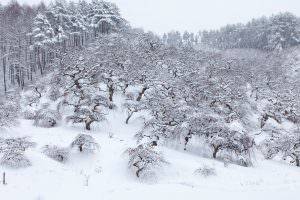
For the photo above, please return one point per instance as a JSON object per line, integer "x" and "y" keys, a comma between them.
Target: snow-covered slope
{"x": 105, "y": 175}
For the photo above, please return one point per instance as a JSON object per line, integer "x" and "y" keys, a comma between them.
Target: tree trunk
{"x": 88, "y": 125}
{"x": 4, "y": 179}
{"x": 215, "y": 154}
{"x": 139, "y": 169}
{"x": 297, "y": 162}
{"x": 39, "y": 62}
{"x": 216, "y": 149}
{"x": 129, "y": 116}
{"x": 186, "y": 142}
{"x": 142, "y": 93}
{"x": 125, "y": 87}
{"x": 4, "y": 75}
{"x": 110, "y": 93}
{"x": 187, "y": 139}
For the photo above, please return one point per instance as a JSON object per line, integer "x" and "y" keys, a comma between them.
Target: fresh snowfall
{"x": 92, "y": 108}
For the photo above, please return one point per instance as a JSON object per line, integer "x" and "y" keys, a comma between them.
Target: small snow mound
{"x": 205, "y": 171}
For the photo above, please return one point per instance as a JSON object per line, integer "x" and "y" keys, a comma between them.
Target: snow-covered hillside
{"x": 105, "y": 175}
{"x": 92, "y": 108}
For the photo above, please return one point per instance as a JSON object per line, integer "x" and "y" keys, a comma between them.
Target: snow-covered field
{"x": 105, "y": 175}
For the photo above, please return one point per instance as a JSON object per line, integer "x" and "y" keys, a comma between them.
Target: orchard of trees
{"x": 79, "y": 56}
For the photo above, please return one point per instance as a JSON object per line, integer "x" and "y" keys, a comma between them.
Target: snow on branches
{"x": 9, "y": 111}
{"x": 46, "y": 118}
{"x": 57, "y": 153}
{"x": 82, "y": 91}
{"x": 146, "y": 161}
{"x": 282, "y": 143}
{"x": 219, "y": 137}
{"x": 13, "y": 150}
{"x": 85, "y": 143}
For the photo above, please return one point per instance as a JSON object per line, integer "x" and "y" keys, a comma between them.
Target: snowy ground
{"x": 105, "y": 176}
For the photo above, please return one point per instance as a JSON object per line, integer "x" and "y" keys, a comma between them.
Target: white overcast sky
{"x": 164, "y": 15}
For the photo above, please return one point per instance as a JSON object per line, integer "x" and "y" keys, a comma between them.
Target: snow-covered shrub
{"x": 86, "y": 115}
{"x": 145, "y": 160}
{"x": 85, "y": 143}
{"x": 47, "y": 118}
{"x": 34, "y": 93}
{"x": 55, "y": 91}
{"x": 132, "y": 106}
{"x": 285, "y": 144}
{"x": 205, "y": 171}
{"x": 29, "y": 113}
{"x": 54, "y": 95}
{"x": 244, "y": 160}
{"x": 18, "y": 144}
{"x": 60, "y": 154}
{"x": 238, "y": 143}
{"x": 218, "y": 136}
{"x": 13, "y": 152}
{"x": 9, "y": 110}
{"x": 15, "y": 159}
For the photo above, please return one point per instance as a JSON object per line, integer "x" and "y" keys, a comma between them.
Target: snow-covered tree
{"x": 33, "y": 95}
{"x": 57, "y": 153}
{"x": 13, "y": 150}
{"x": 174, "y": 39}
{"x": 285, "y": 144}
{"x": 145, "y": 160}
{"x": 168, "y": 113}
{"x": 18, "y": 144}
{"x": 31, "y": 99}
{"x": 9, "y": 110}
{"x": 46, "y": 118}
{"x": 85, "y": 143}
{"x": 277, "y": 32}
{"x": 82, "y": 91}
{"x": 284, "y": 31}
{"x": 104, "y": 17}
{"x": 219, "y": 137}
{"x": 132, "y": 106}
{"x": 15, "y": 159}
{"x": 42, "y": 37}
{"x": 43, "y": 32}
